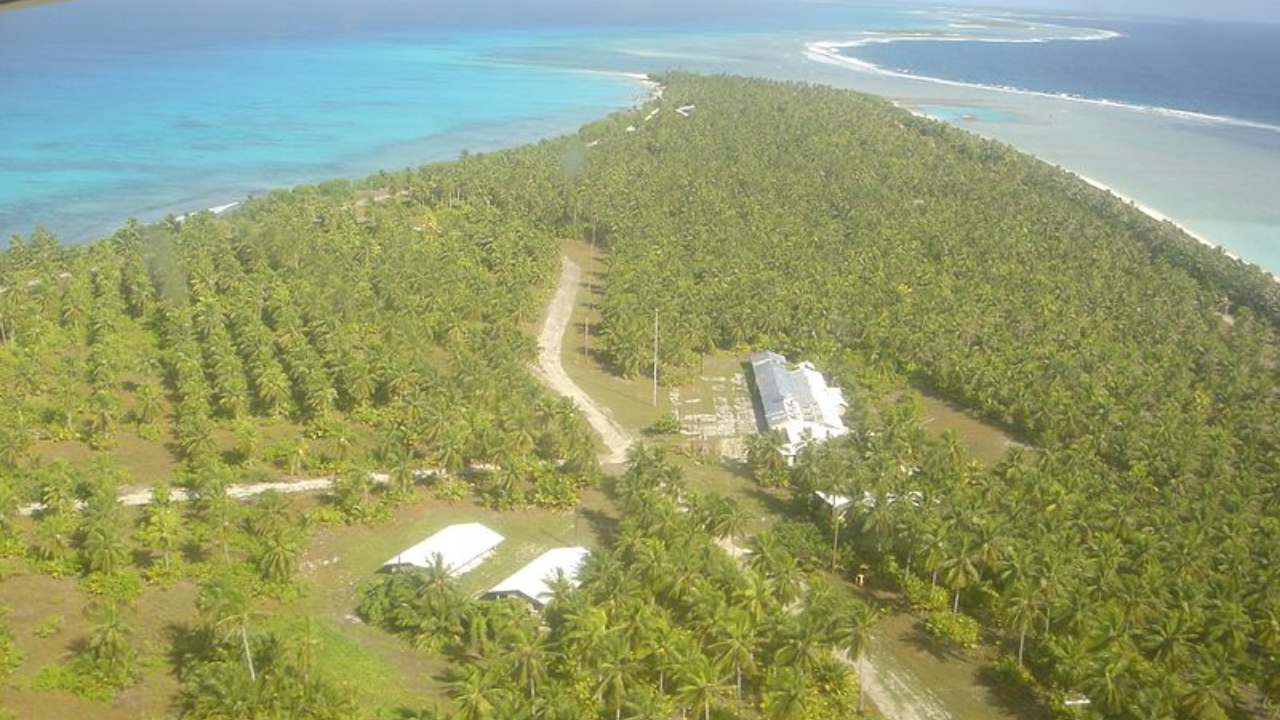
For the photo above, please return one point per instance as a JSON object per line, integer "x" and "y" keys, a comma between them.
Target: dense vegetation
{"x": 1129, "y": 554}
{"x": 323, "y": 332}
{"x": 1140, "y": 540}
{"x": 665, "y": 622}
{"x": 1140, "y": 535}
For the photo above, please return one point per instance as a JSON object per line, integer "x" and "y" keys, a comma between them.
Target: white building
{"x": 533, "y": 581}
{"x": 797, "y": 402}
{"x": 460, "y": 548}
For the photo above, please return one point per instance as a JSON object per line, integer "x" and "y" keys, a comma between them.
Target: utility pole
{"x": 586, "y": 315}
{"x": 655, "y": 357}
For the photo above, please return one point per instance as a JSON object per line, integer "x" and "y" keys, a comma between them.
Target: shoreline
{"x": 828, "y": 52}
{"x": 1159, "y": 216}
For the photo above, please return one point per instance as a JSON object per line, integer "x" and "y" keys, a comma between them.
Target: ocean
{"x": 1221, "y": 70}
{"x": 142, "y": 108}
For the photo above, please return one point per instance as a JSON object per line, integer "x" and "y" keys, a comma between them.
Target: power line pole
{"x": 586, "y": 315}
{"x": 655, "y": 357}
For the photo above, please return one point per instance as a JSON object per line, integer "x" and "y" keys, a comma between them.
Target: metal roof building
{"x": 532, "y": 582}
{"x": 797, "y": 401}
{"x": 460, "y": 547}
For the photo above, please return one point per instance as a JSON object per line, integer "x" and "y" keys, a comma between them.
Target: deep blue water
{"x": 1219, "y": 69}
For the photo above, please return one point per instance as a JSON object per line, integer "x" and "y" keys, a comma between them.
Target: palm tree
{"x": 787, "y": 694}
{"x": 960, "y": 570}
{"x": 148, "y": 409}
{"x": 700, "y": 684}
{"x": 853, "y": 633}
{"x": 615, "y": 670}
{"x": 1020, "y": 612}
{"x": 278, "y": 556}
{"x": 111, "y": 643}
{"x": 736, "y": 649}
{"x": 227, "y": 608}
{"x": 473, "y": 690}
{"x": 104, "y": 546}
{"x": 528, "y": 656}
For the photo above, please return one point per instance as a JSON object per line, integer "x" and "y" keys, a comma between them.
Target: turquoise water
{"x": 208, "y": 126}
{"x": 141, "y": 108}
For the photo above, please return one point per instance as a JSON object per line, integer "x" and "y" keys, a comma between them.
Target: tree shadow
{"x": 918, "y": 638}
{"x": 604, "y": 525}
{"x": 757, "y": 405}
{"x": 187, "y": 644}
{"x": 770, "y": 502}
{"x": 1016, "y": 700}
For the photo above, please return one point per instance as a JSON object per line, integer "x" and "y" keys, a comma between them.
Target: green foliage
{"x": 802, "y": 541}
{"x": 667, "y": 424}
{"x": 287, "y": 685}
{"x": 924, "y": 597}
{"x": 664, "y": 619}
{"x": 10, "y": 655}
{"x": 956, "y": 628}
{"x": 125, "y": 586}
{"x": 50, "y": 626}
{"x": 424, "y": 605}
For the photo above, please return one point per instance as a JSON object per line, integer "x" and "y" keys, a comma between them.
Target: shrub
{"x": 805, "y": 541}
{"x": 668, "y": 424}
{"x": 450, "y": 488}
{"x": 955, "y": 628}
{"x": 923, "y": 597}
{"x": 555, "y": 492}
{"x": 50, "y": 626}
{"x": 1010, "y": 673}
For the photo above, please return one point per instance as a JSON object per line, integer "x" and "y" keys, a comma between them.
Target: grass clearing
{"x": 986, "y": 442}
{"x": 47, "y": 617}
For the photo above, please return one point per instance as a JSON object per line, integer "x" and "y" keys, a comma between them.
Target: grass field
{"x": 47, "y": 617}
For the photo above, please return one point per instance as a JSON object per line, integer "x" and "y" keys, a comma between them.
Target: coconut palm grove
{"x": 1121, "y": 561}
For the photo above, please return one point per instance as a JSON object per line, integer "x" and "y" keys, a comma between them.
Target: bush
{"x": 1010, "y": 673}
{"x": 555, "y": 492}
{"x": 923, "y": 597}
{"x": 450, "y": 488}
{"x": 805, "y": 541}
{"x": 50, "y": 626}
{"x": 668, "y": 424}
{"x": 955, "y": 628}
{"x": 126, "y": 585}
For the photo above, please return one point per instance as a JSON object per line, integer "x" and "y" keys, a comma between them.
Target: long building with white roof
{"x": 533, "y": 581}
{"x": 460, "y": 547}
{"x": 797, "y": 402}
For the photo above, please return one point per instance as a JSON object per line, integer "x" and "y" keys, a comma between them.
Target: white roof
{"x": 832, "y": 499}
{"x": 532, "y": 582}
{"x": 798, "y": 401}
{"x": 460, "y": 547}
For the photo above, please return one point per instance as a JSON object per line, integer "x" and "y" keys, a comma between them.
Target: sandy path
{"x": 551, "y": 370}
{"x": 897, "y": 693}
{"x": 140, "y": 497}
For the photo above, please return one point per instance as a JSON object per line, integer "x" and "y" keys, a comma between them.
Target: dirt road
{"x": 551, "y": 370}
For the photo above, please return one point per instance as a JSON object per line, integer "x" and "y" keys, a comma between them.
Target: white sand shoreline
{"x": 829, "y": 52}
{"x": 1161, "y": 217}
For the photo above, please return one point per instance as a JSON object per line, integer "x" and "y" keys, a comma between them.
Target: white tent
{"x": 532, "y": 582}
{"x": 460, "y": 547}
